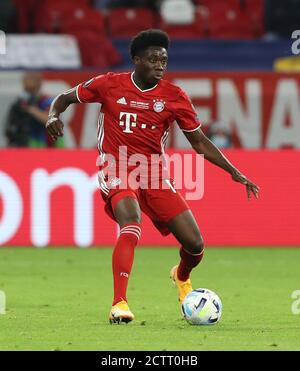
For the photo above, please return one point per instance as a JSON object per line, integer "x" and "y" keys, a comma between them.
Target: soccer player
{"x": 137, "y": 110}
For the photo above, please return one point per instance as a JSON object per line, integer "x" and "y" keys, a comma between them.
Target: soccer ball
{"x": 202, "y": 307}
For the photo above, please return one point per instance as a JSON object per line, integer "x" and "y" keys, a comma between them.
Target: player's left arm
{"x": 203, "y": 145}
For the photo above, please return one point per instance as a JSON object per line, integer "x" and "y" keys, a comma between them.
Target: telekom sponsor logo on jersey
{"x": 129, "y": 120}
{"x": 139, "y": 171}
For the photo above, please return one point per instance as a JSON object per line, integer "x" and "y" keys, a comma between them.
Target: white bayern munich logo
{"x": 158, "y": 106}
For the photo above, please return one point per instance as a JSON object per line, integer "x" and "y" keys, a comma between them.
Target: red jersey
{"x": 135, "y": 118}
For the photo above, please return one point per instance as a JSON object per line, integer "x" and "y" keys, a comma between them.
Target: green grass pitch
{"x": 59, "y": 299}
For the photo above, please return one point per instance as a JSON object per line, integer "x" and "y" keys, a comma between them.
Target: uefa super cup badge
{"x": 158, "y": 105}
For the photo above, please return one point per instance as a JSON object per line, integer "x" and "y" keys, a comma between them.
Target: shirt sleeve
{"x": 93, "y": 90}
{"x": 185, "y": 114}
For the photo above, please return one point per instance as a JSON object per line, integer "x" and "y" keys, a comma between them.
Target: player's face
{"x": 152, "y": 64}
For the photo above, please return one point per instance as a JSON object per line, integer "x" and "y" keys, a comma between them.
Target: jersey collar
{"x": 143, "y": 91}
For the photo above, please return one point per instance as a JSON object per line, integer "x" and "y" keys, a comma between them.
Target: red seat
{"x": 255, "y": 10}
{"x": 96, "y": 51}
{"x": 241, "y": 19}
{"x": 228, "y": 20}
{"x": 126, "y": 22}
{"x": 51, "y": 16}
{"x": 85, "y": 20}
{"x": 195, "y": 30}
{"x": 55, "y": 12}
{"x": 26, "y": 10}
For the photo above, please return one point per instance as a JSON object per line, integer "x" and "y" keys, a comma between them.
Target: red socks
{"x": 122, "y": 259}
{"x": 123, "y": 255}
{"x": 187, "y": 263}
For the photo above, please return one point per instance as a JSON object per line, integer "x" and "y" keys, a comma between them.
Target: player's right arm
{"x": 60, "y": 103}
{"x": 91, "y": 91}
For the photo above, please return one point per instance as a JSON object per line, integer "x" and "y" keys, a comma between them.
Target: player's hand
{"x": 251, "y": 188}
{"x": 54, "y": 127}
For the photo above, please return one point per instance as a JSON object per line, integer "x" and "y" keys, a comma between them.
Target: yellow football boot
{"x": 120, "y": 313}
{"x": 184, "y": 287}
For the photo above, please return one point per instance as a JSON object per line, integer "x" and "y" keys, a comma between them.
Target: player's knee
{"x": 133, "y": 216}
{"x": 195, "y": 245}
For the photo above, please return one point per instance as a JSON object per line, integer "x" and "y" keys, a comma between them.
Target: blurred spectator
{"x": 28, "y": 115}
{"x": 282, "y": 17}
{"x": 101, "y": 4}
{"x": 219, "y": 134}
{"x": 7, "y": 15}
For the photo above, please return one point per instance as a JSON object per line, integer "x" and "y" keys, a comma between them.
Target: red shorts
{"x": 160, "y": 205}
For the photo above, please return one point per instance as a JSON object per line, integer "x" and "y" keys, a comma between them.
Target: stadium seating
{"x": 26, "y": 14}
{"x": 96, "y": 50}
{"x": 85, "y": 20}
{"x": 54, "y": 14}
{"x": 196, "y": 29}
{"x": 50, "y": 18}
{"x": 228, "y": 21}
{"x": 256, "y": 12}
{"x": 233, "y": 19}
{"x": 126, "y": 22}
{"x": 216, "y": 19}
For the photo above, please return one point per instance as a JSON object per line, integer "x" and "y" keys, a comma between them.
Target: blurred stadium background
{"x": 233, "y": 57}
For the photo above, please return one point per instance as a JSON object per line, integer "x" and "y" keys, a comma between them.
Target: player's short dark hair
{"x": 147, "y": 38}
